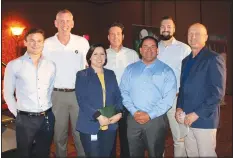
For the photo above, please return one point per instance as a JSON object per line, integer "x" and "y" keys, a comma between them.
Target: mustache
{"x": 166, "y": 32}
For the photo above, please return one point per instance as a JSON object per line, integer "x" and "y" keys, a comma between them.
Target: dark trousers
{"x": 34, "y": 135}
{"x": 149, "y": 136}
{"x": 124, "y": 145}
{"x": 101, "y": 147}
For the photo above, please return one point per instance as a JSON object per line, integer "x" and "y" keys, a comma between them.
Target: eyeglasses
{"x": 152, "y": 48}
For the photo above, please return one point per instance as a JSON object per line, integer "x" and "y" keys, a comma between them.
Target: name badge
{"x": 94, "y": 137}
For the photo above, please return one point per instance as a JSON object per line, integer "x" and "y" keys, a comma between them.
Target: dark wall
{"x": 215, "y": 15}
{"x": 90, "y": 18}
{"x": 230, "y": 52}
{"x": 42, "y": 14}
{"x": 94, "y": 17}
{"x": 104, "y": 15}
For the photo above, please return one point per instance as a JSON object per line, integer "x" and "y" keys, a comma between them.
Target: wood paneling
{"x": 126, "y": 12}
{"x": 160, "y": 9}
{"x": 216, "y": 17}
{"x": 187, "y": 13}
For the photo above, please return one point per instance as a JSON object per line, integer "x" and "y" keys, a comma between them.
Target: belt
{"x": 44, "y": 113}
{"x": 64, "y": 89}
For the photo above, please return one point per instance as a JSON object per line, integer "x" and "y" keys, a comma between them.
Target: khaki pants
{"x": 201, "y": 142}
{"x": 179, "y": 148}
{"x": 65, "y": 107}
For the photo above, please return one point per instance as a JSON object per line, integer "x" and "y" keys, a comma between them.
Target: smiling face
{"x": 148, "y": 51}
{"x": 34, "y": 43}
{"x": 167, "y": 29}
{"x": 98, "y": 58}
{"x": 197, "y": 36}
{"x": 64, "y": 23}
{"x": 115, "y": 37}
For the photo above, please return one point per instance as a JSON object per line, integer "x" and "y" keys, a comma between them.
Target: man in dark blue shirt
{"x": 203, "y": 78}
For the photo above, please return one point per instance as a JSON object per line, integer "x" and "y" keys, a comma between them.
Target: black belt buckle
{"x": 37, "y": 114}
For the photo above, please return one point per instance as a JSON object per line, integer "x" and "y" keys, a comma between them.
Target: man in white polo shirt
{"x": 68, "y": 52}
{"x": 119, "y": 57}
{"x": 172, "y": 52}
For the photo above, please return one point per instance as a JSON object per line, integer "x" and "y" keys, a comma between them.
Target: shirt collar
{"x": 56, "y": 37}
{"x": 57, "y": 34}
{"x": 26, "y": 56}
{"x": 122, "y": 47}
{"x": 174, "y": 42}
{"x": 150, "y": 65}
{"x": 198, "y": 55}
{"x": 93, "y": 71}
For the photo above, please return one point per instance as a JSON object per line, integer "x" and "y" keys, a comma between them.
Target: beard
{"x": 165, "y": 37}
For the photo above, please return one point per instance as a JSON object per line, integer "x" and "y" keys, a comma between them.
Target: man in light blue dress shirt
{"x": 31, "y": 77}
{"x": 148, "y": 89}
{"x": 172, "y": 52}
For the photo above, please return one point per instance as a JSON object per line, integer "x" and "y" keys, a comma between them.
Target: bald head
{"x": 199, "y": 26}
{"x": 197, "y": 36}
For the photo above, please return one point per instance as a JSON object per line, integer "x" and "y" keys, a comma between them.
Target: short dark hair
{"x": 117, "y": 24}
{"x": 63, "y": 11}
{"x": 33, "y": 31}
{"x": 90, "y": 52}
{"x": 168, "y": 18}
{"x": 148, "y": 37}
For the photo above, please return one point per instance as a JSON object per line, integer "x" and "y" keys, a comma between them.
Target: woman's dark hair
{"x": 90, "y": 52}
